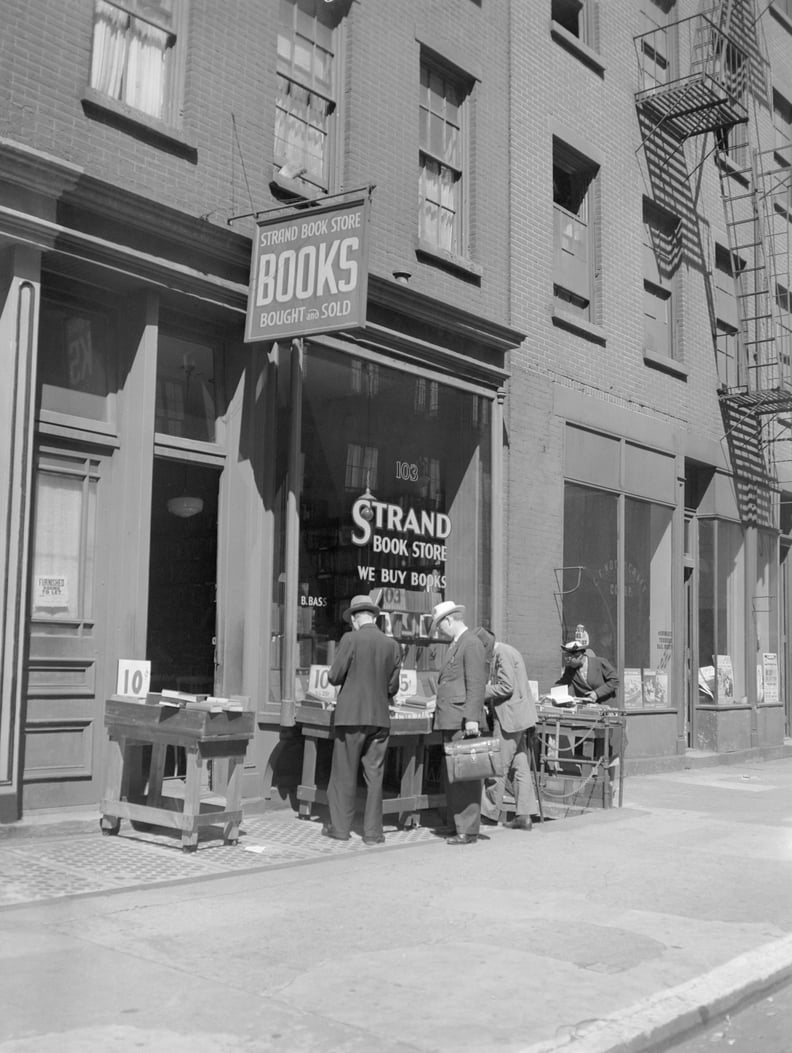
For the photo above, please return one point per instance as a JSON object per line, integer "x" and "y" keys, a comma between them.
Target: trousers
{"x": 463, "y": 799}
{"x": 353, "y": 747}
{"x": 517, "y": 769}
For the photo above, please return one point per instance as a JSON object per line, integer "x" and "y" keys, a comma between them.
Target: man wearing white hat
{"x": 366, "y": 667}
{"x": 460, "y": 711}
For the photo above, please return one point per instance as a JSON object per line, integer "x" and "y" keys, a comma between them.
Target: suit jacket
{"x": 366, "y": 666}
{"x": 461, "y": 683}
{"x": 600, "y": 678}
{"x": 513, "y": 702}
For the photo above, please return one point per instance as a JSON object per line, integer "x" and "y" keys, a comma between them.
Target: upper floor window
{"x": 661, "y": 264}
{"x": 782, "y": 123}
{"x": 575, "y": 228}
{"x": 576, "y": 17}
{"x": 306, "y": 102}
{"x": 441, "y": 112}
{"x": 727, "y": 319}
{"x": 656, "y": 42}
{"x": 137, "y": 51}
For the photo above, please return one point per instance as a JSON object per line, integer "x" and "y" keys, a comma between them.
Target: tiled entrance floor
{"x": 74, "y": 858}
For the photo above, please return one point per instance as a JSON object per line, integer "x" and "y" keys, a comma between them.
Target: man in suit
{"x": 460, "y": 711}
{"x": 366, "y": 667}
{"x": 512, "y": 705}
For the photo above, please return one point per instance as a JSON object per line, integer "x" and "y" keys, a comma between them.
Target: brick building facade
{"x": 555, "y": 336}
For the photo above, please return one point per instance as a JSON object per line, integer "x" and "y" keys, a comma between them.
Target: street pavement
{"x": 614, "y": 930}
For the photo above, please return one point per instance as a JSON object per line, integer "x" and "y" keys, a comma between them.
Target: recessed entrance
{"x": 183, "y": 577}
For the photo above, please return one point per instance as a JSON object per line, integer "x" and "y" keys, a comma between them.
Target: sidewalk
{"x": 604, "y": 932}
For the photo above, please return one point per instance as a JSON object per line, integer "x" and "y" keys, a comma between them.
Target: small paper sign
{"x": 318, "y": 684}
{"x": 133, "y": 678}
{"x": 408, "y": 685}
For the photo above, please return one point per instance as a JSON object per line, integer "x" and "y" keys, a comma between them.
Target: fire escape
{"x": 726, "y": 82}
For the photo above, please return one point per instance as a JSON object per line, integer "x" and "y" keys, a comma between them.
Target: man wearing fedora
{"x": 366, "y": 667}
{"x": 460, "y": 711}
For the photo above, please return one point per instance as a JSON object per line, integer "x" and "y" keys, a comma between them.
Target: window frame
{"x": 659, "y": 281}
{"x": 583, "y": 185}
{"x": 288, "y": 172}
{"x": 463, "y": 85}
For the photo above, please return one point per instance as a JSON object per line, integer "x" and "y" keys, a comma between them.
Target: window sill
{"x": 784, "y": 19}
{"x": 50, "y": 422}
{"x": 448, "y": 260}
{"x": 666, "y": 365}
{"x": 128, "y": 119}
{"x": 576, "y": 47}
{"x": 732, "y": 168}
{"x": 581, "y": 326}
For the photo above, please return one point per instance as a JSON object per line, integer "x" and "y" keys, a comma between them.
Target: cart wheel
{"x": 110, "y": 831}
{"x": 304, "y": 818}
{"x": 231, "y": 841}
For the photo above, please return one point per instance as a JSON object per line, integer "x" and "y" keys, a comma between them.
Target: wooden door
{"x": 66, "y": 674}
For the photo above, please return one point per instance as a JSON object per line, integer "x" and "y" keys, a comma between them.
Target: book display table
{"x": 204, "y": 733}
{"x": 581, "y": 753}
{"x": 410, "y": 736}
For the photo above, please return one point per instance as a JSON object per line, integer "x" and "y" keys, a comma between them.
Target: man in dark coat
{"x": 460, "y": 711}
{"x": 592, "y": 679}
{"x": 366, "y": 667}
{"x": 587, "y": 676}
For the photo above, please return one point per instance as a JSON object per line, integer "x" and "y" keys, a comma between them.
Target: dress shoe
{"x": 328, "y": 831}
{"x": 373, "y": 840}
{"x": 520, "y": 822}
{"x": 462, "y": 839}
{"x": 486, "y": 821}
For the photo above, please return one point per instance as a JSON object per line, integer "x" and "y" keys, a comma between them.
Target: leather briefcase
{"x": 469, "y": 759}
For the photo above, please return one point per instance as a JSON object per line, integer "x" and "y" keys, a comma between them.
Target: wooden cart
{"x": 204, "y": 735}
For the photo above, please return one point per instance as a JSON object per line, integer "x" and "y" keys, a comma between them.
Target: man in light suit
{"x": 366, "y": 667}
{"x": 513, "y": 707}
{"x": 460, "y": 711}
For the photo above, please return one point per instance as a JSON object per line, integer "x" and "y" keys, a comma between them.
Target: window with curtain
{"x": 441, "y": 131}
{"x": 305, "y": 100}
{"x": 64, "y": 539}
{"x": 133, "y": 57}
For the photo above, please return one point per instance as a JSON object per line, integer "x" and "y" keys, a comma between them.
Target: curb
{"x": 644, "y": 1026}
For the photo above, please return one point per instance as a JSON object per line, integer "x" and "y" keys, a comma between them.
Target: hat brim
{"x": 372, "y": 608}
{"x": 459, "y": 609}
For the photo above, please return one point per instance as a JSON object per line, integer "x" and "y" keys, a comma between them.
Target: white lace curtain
{"x": 128, "y": 60}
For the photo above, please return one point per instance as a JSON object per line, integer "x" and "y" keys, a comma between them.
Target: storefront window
{"x": 766, "y": 617}
{"x": 721, "y": 612}
{"x": 590, "y": 580}
{"x": 594, "y": 572}
{"x": 185, "y": 389}
{"x": 648, "y": 632}
{"x": 75, "y": 362}
{"x": 395, "y": 503}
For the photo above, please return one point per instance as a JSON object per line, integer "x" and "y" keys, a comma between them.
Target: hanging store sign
{"x": 309, "y": 273}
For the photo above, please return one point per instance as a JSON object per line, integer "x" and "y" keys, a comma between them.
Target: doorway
{"x": 182, "y": 604}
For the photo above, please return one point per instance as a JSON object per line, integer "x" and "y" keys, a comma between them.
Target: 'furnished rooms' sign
{"x": 309, "y": 273}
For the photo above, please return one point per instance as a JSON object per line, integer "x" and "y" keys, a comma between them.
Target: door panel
{"x": 66, "y": 678}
